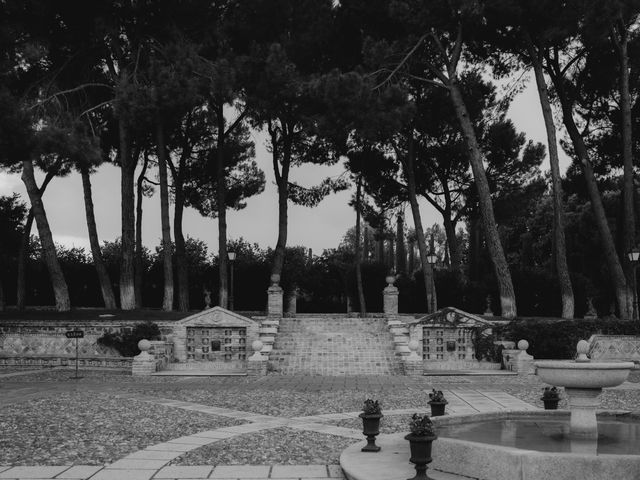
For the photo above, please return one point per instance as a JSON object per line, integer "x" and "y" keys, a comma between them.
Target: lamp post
{"x": 634, "y": 255}
{"x": 231, "y": 256}
{"x": 432, "y": 258}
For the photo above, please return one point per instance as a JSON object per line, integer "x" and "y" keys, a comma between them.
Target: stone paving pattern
{"x": 152, "y": 462}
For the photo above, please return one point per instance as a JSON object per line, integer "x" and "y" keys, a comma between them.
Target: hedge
{"x": 549, "y": 339}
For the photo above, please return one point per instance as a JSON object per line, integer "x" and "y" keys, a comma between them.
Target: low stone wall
{"x": 40, "y": 361}
{"x": 44, "y": 344}
{"x": 459, "y": 365}
{"x": 622, "y": 348}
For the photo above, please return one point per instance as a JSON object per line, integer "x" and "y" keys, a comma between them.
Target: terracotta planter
{"x": 371, "y": 428}
{"x": 550, "y": 403}
{"x": 437, "y": 408}
{"x": 420, "y": 447}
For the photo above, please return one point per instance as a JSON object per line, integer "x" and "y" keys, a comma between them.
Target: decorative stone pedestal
{"x": 274, "y": 298}
{"x": 144, "y": 364}
{"x": 412, "y": 363}
{"x": 524, "y": 362}
{"x": 390, "y": 298}
{"x": 583, "y": 403}
{"x": 257, "y": 363}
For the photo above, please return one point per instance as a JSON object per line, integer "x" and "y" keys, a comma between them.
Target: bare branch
{"x": 89, "y": 110}
{"x": 401, "y": 64}
{"x": 457, "y": 52}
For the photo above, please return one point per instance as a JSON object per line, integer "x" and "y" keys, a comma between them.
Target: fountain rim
{"x": 573, "y": 365}
{"x": 488, "y": 461}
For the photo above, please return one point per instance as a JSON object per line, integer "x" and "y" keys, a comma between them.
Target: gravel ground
{"x": 56, "y": 375}
{"x": 4, "y": 370}
{"x": 281, "y": 446}
{"x": 97, "y": 428}
{"x": 91, "y": 428}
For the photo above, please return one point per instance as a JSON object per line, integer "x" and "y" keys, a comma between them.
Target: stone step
{"x": 334, "y": 346}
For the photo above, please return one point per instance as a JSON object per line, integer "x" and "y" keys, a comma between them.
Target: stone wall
{"x": 615, "y": 348}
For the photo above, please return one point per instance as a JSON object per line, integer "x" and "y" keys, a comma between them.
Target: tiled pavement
{"x": 151, "y": 463}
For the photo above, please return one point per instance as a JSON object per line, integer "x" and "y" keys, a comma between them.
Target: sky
{"x": 317, "y": 228}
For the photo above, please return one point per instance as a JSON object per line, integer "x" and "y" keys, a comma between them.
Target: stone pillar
{"x": 257, "y": 363}
{"x": 524, "y": 362}
{"x": 292, "y": 301}
{"x": 412, "y": 363}
{"x": 274, "y": 298}
{"x": 143, "y": 364}
{"x": 390, "y": 297}
{"x": 582, "y": 404}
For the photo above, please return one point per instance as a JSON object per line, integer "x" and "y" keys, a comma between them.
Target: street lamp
{"x": 432, "y": 258}
{"x": 634, "y": 255}
{"x": 231, "y": 256}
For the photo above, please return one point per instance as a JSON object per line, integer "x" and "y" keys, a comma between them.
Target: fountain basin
{"x": 487, "y": 461}
{"x": 583, "y": 375}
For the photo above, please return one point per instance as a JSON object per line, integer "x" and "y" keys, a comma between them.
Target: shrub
{"x": 421, "y": 426}
{"x": 551, "y": 338}
{"x": 127, "y": 343}
{"x": 371, "y": 407}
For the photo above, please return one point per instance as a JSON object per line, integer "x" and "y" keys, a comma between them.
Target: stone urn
{"x": 371, "y": 428}
{"x": 371, "y": 415}
{"x": 420, "y": 448}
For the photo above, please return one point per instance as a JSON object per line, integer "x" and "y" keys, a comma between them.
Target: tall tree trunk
{"x": 624, "y": 295}
{"x": 127, "y": 170}
{"x": 223, "y": 288}
{"x": 167, "y": 257}
{"x": 21, "y": 290}
{"x": 622, "y": 292}
{"x": 366, "y": 248}
{"x": 103, "y": 276}
{"x": 358, "y": 259}
{"x": 560, "y": 250}
{"x": 58, "y": 282}
{"x": 629, "y": 230}
{"x": 501, "y": 268}
{"x": 412, "y": 256}
{"x": 282, "y": 180}
{"x": 401, "y": 251}
{"x": 181, "y": 256}
{"x": 452, "y": 240}
{"x": 380, "y": 243}
{"x": 138, "y": 261}
{"x": 475, "y": 240}
{"x": 21, "y": 285}
{"x": 427, "y": 270}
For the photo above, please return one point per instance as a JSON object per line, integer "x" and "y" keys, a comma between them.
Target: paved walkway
{"x": 152, "y": 462}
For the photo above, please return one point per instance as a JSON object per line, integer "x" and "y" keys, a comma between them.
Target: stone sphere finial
{"x": 390, "y": 279}
{"x": 413, "y": 345}
{"x": 582, "y": 348}
{"x": 144, "y": 345}
{"x": 257, "y": 346}
{"x": 275, "y": 279}
{"x": 523, "y": 345}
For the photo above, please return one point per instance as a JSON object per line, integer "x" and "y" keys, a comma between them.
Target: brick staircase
{"x": 336, "y": 345}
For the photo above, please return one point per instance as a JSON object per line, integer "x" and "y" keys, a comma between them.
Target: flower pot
{"x": 550, "y": 403}
{"x": 420, "y": 447}
{"x": 437, "y": 408}
{"x": 371, "y": 428}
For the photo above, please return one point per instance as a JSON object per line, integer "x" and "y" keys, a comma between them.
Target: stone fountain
{"x": 583, "y": 381}
{"x": 525, "y": 445}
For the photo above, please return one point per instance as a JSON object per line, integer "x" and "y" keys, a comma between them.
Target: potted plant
{"x": 437, "y": 402}
{"x": 550, "y": 397}
{"x": 371, "y": 415}
{"x": 420, "y": 439}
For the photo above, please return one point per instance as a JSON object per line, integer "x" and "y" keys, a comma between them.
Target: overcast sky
{"x": 318, "y": 228}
